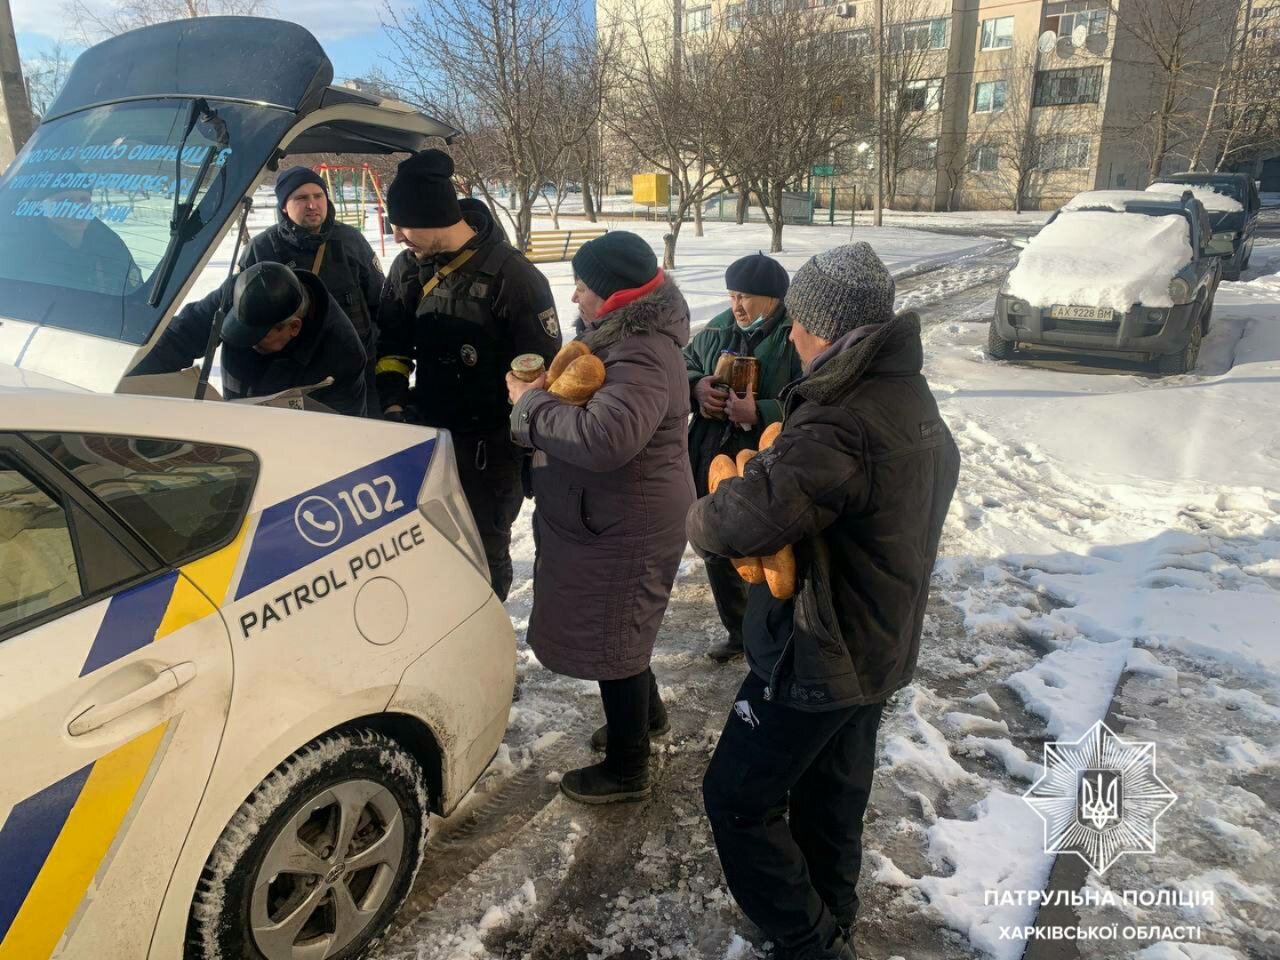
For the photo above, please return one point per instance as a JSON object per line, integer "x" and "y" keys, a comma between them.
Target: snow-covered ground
{"x": 1113, "y": 551}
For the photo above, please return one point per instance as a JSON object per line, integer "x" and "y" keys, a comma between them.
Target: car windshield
{"x": 86, "y": 209}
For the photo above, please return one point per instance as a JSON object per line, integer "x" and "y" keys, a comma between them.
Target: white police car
{"x": 235, "y": 675}
{"x": 244, "y": 652}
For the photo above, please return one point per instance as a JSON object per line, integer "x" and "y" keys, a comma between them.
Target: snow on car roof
{"x": 1213, "y": 200}
{"x": 1099, "y": 259}
{"x": 1113, "y": 200}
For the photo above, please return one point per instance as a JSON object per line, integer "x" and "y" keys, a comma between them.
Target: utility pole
{"x": 879, "y": 95}
{"x": 16, "y": 122}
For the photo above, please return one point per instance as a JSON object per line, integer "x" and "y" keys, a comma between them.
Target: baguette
{"x": 722, "y": 468}
{"x": 750, "y": 569}
{"x": 743, "y": 457}
{"x": 780, "y": 573}
{"x": 580, "y": 379}
{"x": 568, "y": 353}
{"x": 770, "y": 434}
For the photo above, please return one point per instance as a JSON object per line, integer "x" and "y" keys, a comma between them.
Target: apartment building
{"x": 989, "y": 98}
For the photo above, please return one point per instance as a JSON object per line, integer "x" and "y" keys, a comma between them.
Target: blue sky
{"x": 350, "y": 30}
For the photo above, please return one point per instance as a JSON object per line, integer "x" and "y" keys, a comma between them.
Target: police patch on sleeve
{"x": 550, "y": 323}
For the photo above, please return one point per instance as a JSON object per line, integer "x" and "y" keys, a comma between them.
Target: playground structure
{"x": 352, "y": 190}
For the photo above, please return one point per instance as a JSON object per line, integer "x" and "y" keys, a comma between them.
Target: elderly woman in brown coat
{"x": 612, "y": 484}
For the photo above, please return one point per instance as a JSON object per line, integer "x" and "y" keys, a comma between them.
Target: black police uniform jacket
{"x": 348, "y": 268}
{"x": 462, "y": 335}
{"x": 327, "y": 346}
{"x": 859, "y": 482}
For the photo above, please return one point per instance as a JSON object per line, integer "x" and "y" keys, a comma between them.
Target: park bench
{"x": 552, "y": 246}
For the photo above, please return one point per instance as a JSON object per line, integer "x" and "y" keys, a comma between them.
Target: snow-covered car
{"x": 1232, "y": 203}
{"x": 235, "y": 676}
{"x": 245, "y": 652}
{"x": 1115, "y": 272}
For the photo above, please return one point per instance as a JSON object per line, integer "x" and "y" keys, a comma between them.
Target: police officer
{"x": 283, "y": 330}
{"x": 459, "y": 304}
{"x": 308, "y": 237}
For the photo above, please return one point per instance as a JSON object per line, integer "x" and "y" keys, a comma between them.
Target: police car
{"x": 245, "y": 652}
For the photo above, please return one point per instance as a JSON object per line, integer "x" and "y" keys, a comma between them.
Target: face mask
{"x": 754, "y": 325}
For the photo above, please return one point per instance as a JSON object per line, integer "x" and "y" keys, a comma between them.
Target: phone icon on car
{"x": 328, "y": 526}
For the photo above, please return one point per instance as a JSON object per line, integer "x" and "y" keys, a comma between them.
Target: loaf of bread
{"x": 568, "y": 353}
{"x": 770, "y": 434}
{"x": 581, "y": 378}
{"x": 722, "y": 468}
{"x": 750, "y": 569}
{"x": 780, "y": 573}
{"x": 743, "y": 457}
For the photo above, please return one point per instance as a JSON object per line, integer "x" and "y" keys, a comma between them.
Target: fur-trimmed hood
{"x": 662, "y": 311}
{"x": 892, "y": 348}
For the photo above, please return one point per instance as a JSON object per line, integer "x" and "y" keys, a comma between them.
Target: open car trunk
{"x": 92, "y": 264}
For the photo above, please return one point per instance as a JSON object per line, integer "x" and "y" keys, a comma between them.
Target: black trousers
{"x": 785, "y": 793}
{"x": 628, "y": 705}
{"x": 489, "y": 468}
{"x": 730, "y": 593}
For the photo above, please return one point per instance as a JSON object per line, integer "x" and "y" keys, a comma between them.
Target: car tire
{"x": 1184, "y": 361}
{"x": 358, "y": 790}
{"x": 998, "y": 348}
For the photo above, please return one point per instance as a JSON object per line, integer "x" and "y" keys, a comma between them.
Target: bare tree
{"x": 914, "y": 68}
{"x": 45, "y": 73}
{"x": 794, "y": 93}
{"x": 1176, "y": 38}
{"x": 520, "y": 77}
{"x": 663, "y": 98}
{"x": 97, "y": 20}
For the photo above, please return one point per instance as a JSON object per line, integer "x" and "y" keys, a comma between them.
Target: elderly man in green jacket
{"x": 755, "y": 325}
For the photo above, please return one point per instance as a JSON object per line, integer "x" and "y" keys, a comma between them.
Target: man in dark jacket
{"x": 459, "y": 305}
{"x": 859, "y": 483}
{"x": 756, "y": 325}
{"x": 283, "y": 330}
{"x": 307, "y": 237}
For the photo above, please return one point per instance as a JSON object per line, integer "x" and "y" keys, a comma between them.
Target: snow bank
{"x": 1100, "y": 259}
{"x": 1213, "y": 201}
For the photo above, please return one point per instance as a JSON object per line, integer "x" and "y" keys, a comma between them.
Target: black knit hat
{"x": 757, "y": 275}
{"x": 617, "y": 261}
{"x": 287, "y": 181}
{"x": 422, "y": 193}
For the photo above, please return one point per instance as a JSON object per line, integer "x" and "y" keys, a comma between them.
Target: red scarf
{"x": 622, "y": 297}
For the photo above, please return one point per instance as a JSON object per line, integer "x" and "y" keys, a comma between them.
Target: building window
{"x": 997, "y": 34}
{"x": 1063, "y": 153}
{"x": 697, "y": 20}
{"x": 1063, "y": 17}
{"x": 920, "y": 35}
{"x": 1057, "y": 88}
{"x": 984, "y": 158}
{"x": 917, "y": 95}
{"x": 854, "y": 43}
{"x": 921, "y": 153}
{"x": 990, "y": 97}
{"x": 733, "y": 16}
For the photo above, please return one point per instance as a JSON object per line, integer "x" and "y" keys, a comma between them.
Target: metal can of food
{"x": 528, "y": 367}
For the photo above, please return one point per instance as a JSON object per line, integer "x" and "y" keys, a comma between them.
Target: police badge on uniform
{"x": 550, "y": 323}
{"x": 469, "y": 355}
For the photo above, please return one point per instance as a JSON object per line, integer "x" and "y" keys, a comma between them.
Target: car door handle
{"x": 101, "y": 714}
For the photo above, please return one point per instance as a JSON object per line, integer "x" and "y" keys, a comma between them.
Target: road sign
{"x": 827, "y": 171}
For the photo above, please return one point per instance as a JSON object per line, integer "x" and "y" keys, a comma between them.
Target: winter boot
{"x": 599, "y": 784}
{"x": 659, "y": 726}
{"x": 841, "y": 949}
{"x": 728, "y": 651}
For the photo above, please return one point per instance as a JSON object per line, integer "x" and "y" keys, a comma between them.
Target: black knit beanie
{"x": 617, "y": 261}
{"x": 758, "y": 276}
{"x": 422, "y": 193}
{"x": 287, "y": 181}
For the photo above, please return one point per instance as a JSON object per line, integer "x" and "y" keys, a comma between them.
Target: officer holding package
{"x": 460, "y": 303}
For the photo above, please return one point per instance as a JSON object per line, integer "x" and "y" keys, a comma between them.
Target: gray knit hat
{"x": 840, "y": 290}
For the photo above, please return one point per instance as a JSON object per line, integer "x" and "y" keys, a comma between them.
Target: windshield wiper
{"x": 182, "y": 209}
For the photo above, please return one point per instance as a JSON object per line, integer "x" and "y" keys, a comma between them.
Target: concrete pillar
{"x": 16, "y": 122}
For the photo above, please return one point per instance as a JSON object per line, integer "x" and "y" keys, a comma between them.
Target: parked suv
{"x": 1114, "y": 272}
{"x": 1232, "y": 202}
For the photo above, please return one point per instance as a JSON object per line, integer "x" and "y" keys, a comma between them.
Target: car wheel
{"x": 1184, "y": 360}
{"x": 998, "y": 348}
{"x": 317, "y": 860}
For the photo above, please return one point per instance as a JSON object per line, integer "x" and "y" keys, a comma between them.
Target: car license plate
{"x": 1080, "y": 313}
